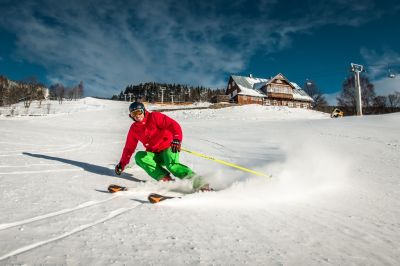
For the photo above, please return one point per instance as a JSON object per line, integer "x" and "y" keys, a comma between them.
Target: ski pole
{"x": 225, "y": 163}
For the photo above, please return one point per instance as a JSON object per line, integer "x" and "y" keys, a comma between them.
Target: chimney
{"x": 250, "y": 75}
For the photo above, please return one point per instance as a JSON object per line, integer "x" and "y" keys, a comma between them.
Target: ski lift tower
{"x": 357, "y": 69}
{"x": 162, "y": 89}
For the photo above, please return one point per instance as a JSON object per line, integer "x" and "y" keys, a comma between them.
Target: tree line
{"x": 371, "y": 103}
{"x": 26, "y": 91}
{"x": 164, "y": 92}
{"x": 59, "y": 92}
{"x": 346, "y": 100}
{"x": 31, "y": 89}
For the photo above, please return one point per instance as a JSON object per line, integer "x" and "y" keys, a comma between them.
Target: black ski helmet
{"x": 136, "y": 106}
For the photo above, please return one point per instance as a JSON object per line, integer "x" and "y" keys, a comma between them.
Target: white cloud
{"x": 386, "y": 86}
{"x": 379, "y": 66}
{"x": 111, "y": 45}
{"x": 331, "y": 98}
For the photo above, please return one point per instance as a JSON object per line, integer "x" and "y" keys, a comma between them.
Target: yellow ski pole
{"x": 225, "y": 163}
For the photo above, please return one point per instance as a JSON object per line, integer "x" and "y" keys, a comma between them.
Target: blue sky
{"x": 110, "y": 44}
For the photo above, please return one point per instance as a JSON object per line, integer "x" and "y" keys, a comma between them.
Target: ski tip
{"x": 156, "y": 198}
{"x": 116, "y": 188}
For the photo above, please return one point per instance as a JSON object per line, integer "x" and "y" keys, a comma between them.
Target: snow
{"x": 299, "y": 93}
{"x": 333, "y": 198}
{"x": 48, "y": 107}
{"x": 249, "y": 92}
{"x": 249, "y": 85}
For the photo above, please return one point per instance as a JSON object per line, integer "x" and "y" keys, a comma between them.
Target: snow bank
{"x": 252, "y": 112}
{"x": 51, "y": 107}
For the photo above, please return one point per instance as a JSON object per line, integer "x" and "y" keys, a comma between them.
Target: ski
{"x": 156, "y": 198}
{"x": 116, "y": 188}
{"x": 152, "y": 197}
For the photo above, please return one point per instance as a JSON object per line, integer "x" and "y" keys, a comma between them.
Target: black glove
{"x": 176, "y": 145}
{"x": 118, "y": 169}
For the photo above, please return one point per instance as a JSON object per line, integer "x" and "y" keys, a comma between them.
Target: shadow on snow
{"x": 92, "y": 168}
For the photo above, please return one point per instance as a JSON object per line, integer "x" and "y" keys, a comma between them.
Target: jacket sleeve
{"x": 165, "y": 122}
{"x": 130, "y": 147}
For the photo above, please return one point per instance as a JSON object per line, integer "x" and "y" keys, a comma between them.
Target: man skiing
{"x": 162, "y": 137}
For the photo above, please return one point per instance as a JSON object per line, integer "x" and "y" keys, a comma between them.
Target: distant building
{"x": 276, "y": 91}
{"x": 220, "y": 99}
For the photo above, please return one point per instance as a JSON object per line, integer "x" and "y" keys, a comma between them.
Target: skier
{"x": 162, "y": 137}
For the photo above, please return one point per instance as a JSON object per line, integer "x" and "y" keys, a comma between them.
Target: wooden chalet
{"x": 276, "y": 91}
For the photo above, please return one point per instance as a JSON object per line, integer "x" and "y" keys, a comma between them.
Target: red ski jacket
{"x": 155, "y": 132}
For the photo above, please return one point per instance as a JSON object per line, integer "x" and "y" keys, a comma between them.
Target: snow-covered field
{"x": 333, "y": 199}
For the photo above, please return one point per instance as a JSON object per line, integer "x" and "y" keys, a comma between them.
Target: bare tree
{"x": 379, "y": 104}
{"x": 57, "y": 92}
{"x": 13, "y": 94}
{"x": 394, "y": 101}
{"x": 70, "y": 93}
{"x": 311, "y": 88}
{"x": 31, "y": 90}
{"x": 4, "y": 84}
{"x": 347, "y": 98}
{"x": 40, "y": 95}
{"x": 80, "y": 90}
{"x": 60, "y": 93}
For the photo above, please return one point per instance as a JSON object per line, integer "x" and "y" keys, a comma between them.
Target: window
{"x": 277, "y": 88}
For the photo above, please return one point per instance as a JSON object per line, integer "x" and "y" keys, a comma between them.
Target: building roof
{"x": 251, "y": 86}
{"x": 300, "y": 94}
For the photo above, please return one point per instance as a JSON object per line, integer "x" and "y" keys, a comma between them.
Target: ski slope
{"x": 333, "y": 199}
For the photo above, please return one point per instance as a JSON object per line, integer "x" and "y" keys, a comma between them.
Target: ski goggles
{"x": 137, "y": 112}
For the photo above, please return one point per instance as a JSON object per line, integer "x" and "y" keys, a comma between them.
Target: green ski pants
{"x": 154, "y": 163}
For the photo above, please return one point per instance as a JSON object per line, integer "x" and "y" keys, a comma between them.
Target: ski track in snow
{"x": 41, "y": 171}
{"x": 33, "y": 144}
{"x": 111, "y": 215}
{"x": 53, "y": 214}
{"x": 70, "y": 148}
{"x": 29, "y": 165}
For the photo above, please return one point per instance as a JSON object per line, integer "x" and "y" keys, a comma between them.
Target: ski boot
{"x": 206, "y": 188}
{"x": 167, "y": 178}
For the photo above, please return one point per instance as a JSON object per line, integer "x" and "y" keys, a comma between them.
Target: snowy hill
{"x": 333, "y": 197}
{"x": 47, "y": 107}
